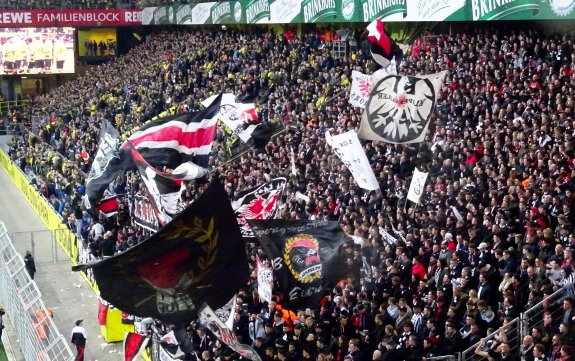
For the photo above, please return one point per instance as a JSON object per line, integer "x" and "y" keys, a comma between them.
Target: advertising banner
{"x": 330, "y": 11}
{"x": 70, "y": 17}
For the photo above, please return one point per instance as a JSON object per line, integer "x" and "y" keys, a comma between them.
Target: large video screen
{"x": 99, "y": 42}
{"x": 36, "y": 51}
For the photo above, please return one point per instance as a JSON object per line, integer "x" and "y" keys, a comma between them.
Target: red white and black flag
{"x": 164, "y": 189}
{"x": 108, "y": 206}
{"x": 383, "y": 48}
{"x": 134, "y": 345}
{"x": 258, "y": 203}
{"x": 177, "y": 139}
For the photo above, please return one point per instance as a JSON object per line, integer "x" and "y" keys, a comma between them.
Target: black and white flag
{"x": 400, "y": 107}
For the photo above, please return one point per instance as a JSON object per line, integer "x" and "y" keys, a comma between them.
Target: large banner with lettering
{"x": 143, "y": 213}
{"x": 330, "y": 11}
{"x": 307, "y": 258}
{"x": 70, "y": 17}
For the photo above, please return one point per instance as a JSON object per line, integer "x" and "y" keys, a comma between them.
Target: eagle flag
{"x": 400, "y": 107}
{"x": 108, "y": 162}
{"x": 165, "y": 189}
{"x": 177, "y": 139}
{"x": 258, "y": 203}
{"x": 307, "y": 257}
{"x": 199, "y": 257}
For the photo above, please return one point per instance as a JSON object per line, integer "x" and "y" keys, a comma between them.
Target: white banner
{"x": 292, "y": 156}
{"x": 417, "y": 186}
{"x": 265, "y": 281}
{"x": 360, "y": 89}
{"x": 349, "y": 150}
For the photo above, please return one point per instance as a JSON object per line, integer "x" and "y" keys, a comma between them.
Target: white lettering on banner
{"x": 160, "y": 13}
{"x": 372, "y": 8}
{"x": 184, "y": 13}
{"x": 315, "y": 7}
{"x": 221, "y": 10}
{"x": 16, "y": 18}
{"x": 480, "y": 8}
{"x": 255, "y": 9}
{"x": 133, "y": 16}
{"x": 348, "y": 148}
{"x": 78, "y": 17}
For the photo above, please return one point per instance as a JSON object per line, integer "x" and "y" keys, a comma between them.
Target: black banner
{"x": 307, "y": 257}
{"x": 143, "y": 213}
{"x": 199, "y": 257}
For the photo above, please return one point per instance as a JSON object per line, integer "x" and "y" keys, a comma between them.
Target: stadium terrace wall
{"x": 340, "y": 11}
{"x": 65, "y": 238}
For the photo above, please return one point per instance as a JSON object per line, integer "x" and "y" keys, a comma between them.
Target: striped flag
{"x": 165, "y": 189}
{"x": 176, "y": 139}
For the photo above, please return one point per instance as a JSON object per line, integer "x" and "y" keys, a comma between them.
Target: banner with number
{"x": 349, "y": 150}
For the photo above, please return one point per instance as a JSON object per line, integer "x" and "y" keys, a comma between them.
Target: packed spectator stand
{"x": 494, "y": 232}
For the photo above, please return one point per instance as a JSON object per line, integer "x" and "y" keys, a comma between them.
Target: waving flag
{"x": 308, "y": 257}
{"x": 400, "y": 107}
{"x": 216, "y": 323}
{"x": 258, "y": 203}
{"x": 232, "y": 113}
{"x": 176, "y": 139}
{"x": 198, "y": 258}
{"x": 165, "y": 189}
{"x": 383, "y": 49}
{"x": 108, "y": 162}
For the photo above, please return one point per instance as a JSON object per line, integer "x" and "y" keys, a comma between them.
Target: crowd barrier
{"x": 38, "y": 336}
{"x": 51, "y": 219}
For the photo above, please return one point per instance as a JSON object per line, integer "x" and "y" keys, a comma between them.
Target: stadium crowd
{"x": 493, "y": 233}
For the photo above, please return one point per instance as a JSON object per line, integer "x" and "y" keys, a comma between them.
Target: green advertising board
{"x": 341, "y": 11}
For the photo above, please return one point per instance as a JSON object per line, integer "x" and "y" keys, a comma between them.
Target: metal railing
{"x": 533, "y": 317}
{"x": 510, "y": 332}
{"x": 38, "y": 336}
{"x": 442, "y": 358}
